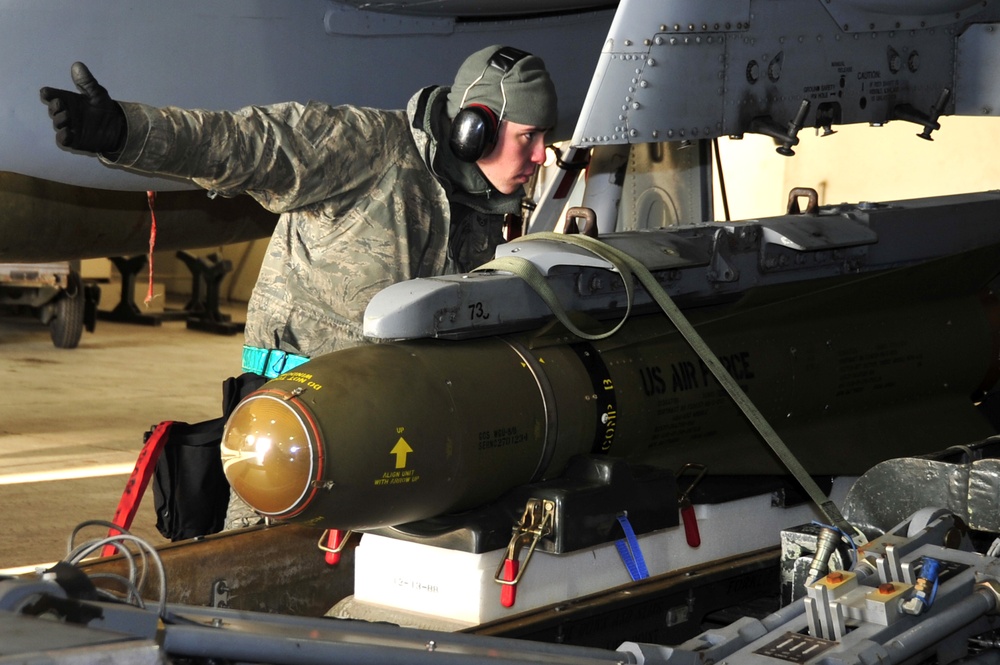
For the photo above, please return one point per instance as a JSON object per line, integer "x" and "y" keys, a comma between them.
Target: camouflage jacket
{"x": 360, "y": 206}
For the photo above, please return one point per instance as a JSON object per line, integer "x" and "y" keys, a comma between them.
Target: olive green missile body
{"x": 849, "y": 370}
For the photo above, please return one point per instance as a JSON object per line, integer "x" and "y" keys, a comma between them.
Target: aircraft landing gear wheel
{"x": 66, "y": 327}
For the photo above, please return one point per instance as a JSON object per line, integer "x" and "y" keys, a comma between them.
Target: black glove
{"x": 92, "y": 121}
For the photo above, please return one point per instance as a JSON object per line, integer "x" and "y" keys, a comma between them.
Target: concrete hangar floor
{"x": 72, "y": 422}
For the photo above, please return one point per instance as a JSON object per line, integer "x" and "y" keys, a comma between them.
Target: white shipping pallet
{"x": 426, "y": 586}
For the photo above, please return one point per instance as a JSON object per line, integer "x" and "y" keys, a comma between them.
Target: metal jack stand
{"x": 126, "y": 311}
{"x": 203, "y": 308}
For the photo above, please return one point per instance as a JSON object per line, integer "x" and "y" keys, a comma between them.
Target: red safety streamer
{"x": 151, "y": 198}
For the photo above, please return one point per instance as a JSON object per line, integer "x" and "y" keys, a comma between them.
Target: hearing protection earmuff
{"x": 476, "y": 127}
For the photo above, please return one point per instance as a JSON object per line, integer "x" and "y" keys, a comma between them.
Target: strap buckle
{"x": 270, "y": 362}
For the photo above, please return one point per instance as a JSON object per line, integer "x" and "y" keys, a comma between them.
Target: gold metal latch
{"x": 536, "y": 523}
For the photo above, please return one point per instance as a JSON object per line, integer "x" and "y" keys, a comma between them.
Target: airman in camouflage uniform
{"x": 358, "y": 212}
{"x": 366, "y": 197}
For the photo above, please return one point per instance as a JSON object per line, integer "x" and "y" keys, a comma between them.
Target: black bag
{"x": 190, "y": 491}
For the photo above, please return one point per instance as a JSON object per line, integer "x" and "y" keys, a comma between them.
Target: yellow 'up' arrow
{"x": 400, "y": 450}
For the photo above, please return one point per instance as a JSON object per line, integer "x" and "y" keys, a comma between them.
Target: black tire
{"x": 66, "y": 327}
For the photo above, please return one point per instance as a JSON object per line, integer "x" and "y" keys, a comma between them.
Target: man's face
{"x": 513, "y": 160}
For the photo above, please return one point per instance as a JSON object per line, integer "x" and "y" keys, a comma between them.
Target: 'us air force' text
{"x": 689, "y": 375}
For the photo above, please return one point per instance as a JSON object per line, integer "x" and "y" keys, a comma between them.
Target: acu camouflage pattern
{"x": 359, "y": 207}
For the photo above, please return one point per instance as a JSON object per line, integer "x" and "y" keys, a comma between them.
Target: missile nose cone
{"x": 268, "y": 455}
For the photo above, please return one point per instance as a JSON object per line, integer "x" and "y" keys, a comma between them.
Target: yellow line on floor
{"x": 67, "y": 474}
{"x": 25, "y": 570}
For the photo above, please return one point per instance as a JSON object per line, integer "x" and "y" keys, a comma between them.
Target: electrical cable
{"x": 147, "y": 553}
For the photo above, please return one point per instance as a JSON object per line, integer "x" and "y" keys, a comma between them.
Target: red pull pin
{"x": 691, "y": 525}
{"x": 508, "y": 592}
{"x": 333, "y": 541}
{"x": 691, "y": 531}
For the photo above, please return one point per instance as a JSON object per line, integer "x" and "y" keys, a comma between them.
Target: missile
{"x": 850, "y": 370}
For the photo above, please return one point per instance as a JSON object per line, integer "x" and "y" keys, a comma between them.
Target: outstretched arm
{"x": 285, "y": 155}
